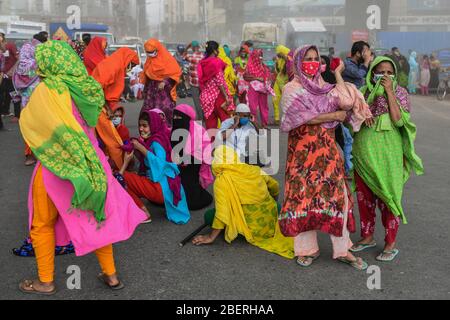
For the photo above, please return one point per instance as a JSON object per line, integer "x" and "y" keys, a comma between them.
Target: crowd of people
{"x": 343, "y": 119}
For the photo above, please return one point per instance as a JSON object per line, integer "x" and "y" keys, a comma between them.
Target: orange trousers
{"x": 43, "y": 235}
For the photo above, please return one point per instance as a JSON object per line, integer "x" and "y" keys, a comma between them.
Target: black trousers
{"x": 5, "y": 98}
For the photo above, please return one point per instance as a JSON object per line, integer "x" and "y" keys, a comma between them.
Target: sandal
{"x": 362, "y": 247}
{"x": 306, "y": 262}
{"x": 30, "y": 285}
{"x": 359, "y": 264}
{"x": 388, "y": 256}
{"x": 117, "y": 287}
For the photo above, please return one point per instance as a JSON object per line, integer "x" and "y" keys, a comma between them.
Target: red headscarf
{"x": 95, "y": 53}
{"x": 163, "y": 66}
{"x": 208, "y": 68}
{"x": 255, "y": 66}
{"x": 110, "y": 73}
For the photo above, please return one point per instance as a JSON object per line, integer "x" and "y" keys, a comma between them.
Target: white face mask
{"x": 117, "y": 121}
{"x": 153, "y": 54}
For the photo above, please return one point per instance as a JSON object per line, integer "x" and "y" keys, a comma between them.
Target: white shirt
{"x": 239, "y": 140}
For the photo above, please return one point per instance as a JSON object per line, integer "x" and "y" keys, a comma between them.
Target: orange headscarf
{"x": 164, "y": 66}
{"x": 111, "y": 72}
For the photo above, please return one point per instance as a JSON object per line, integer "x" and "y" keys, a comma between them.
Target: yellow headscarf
{"x": 230, "y": 75}
{"x": 281, "y": 63}
{"x": 236, "y": 184}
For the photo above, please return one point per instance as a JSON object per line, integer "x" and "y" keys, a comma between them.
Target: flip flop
{"x": 308, "y": 262}
{"x": 394, "y": 253}
{"x": 362, "y": 247}
{"x": 117, "y": 287}
{"x": 148, "y": 221}
{"x": 355, "y": 264}
{"x": 30, "y": 284}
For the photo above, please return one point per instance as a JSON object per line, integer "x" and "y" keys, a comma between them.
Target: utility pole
{"x": 137, "y": 18}
{"x": 205, "y": 14}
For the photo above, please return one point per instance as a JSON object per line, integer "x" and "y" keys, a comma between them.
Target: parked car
{"x": 138, "y": 48}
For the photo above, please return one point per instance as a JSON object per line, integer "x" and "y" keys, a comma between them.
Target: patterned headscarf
{"x": 61, "y": 69}
{"x": 256, "y": 67}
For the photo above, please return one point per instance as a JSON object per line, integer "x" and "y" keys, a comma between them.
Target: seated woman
{"x": 158, "y": 180}
{"x": 195, "y": 153}
{"x": 246, "y": 205}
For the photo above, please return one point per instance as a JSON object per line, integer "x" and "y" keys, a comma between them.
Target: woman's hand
{"x": 370, "y": 122}
{"x": 340, "y": 116}
{"x": 139, "y": 147}
{"x": 341, "y": 68}
{"x": 162, "y": 86}
{"x": 128, "y": 157}
{"x": 388, "y": 84}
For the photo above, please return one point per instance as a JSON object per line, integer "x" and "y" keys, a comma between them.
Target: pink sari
{"x": 122, "y": 214}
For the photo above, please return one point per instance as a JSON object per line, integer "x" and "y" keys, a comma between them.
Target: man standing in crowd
{"x": 402, "y": 66}
{"x": 194, "y": 59}
{"x": 357, "y": 66}
{"x": 10, "y": 61}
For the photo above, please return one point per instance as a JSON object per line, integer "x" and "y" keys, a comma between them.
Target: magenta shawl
{"x": 199, "y": 145}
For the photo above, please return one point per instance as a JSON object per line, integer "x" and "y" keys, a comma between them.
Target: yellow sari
{"x": 245, "y": 204}
{"x": 230, "y": 75}
{"x": 281, "y": 81}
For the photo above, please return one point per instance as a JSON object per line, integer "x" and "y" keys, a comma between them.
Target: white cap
{"x": 243, "y": 108}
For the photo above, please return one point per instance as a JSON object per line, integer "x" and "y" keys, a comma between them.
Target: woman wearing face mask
{"x": 95, "y": 53}
{"x": 317, "y": 197}
{"x": 215, "y": 98}
{"x": 161, "y": 77}
{"x": 258, "y": 75}
{"x": 195, "y": 151}
{"x": 384, "y": 157}
{"x": 110, "y": 73}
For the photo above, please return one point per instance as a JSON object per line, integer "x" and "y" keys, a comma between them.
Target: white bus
{"x": 25, "y": 27}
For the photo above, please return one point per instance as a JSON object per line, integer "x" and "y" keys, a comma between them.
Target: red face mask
{"x": 311, "y": 67}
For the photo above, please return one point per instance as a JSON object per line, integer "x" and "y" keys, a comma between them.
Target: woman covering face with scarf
{"x": 195, "y": 148}
{"x": 258, "y": 75}
{"x": 384, "y": 156}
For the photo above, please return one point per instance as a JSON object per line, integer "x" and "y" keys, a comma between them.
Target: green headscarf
{"x": 61, "y": 69}
{"x": 377, "y": 90}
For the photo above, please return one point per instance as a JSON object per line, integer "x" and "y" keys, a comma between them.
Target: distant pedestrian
{"x": 161, "y": 76}
{"x": 414, "y": 73}
{"x": 425, "y": 76}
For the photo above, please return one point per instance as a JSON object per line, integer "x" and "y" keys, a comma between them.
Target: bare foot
{"x": 202, "y": 240}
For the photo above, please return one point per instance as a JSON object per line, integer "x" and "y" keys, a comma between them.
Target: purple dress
{"x": 160, "y": 99}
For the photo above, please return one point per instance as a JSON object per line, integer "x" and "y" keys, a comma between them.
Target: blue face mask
{"x": 244, "y": 121}
{"x": 117, "y": 121}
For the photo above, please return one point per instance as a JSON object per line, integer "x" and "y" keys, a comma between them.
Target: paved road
{"x": 154, "y": 267}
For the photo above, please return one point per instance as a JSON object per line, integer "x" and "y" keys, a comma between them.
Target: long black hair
{"x": 211, "y": 48}
{"x": 328, "y": 76}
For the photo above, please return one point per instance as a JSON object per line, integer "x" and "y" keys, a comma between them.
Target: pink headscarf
{"x": 198, "y": 145}
{"x": 208, "y": 68}
{"x": 304, "y": 99}
{"x": 255, "y": 66}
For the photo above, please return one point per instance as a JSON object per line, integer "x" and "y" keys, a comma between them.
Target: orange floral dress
{"x": 315, "y": 185}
